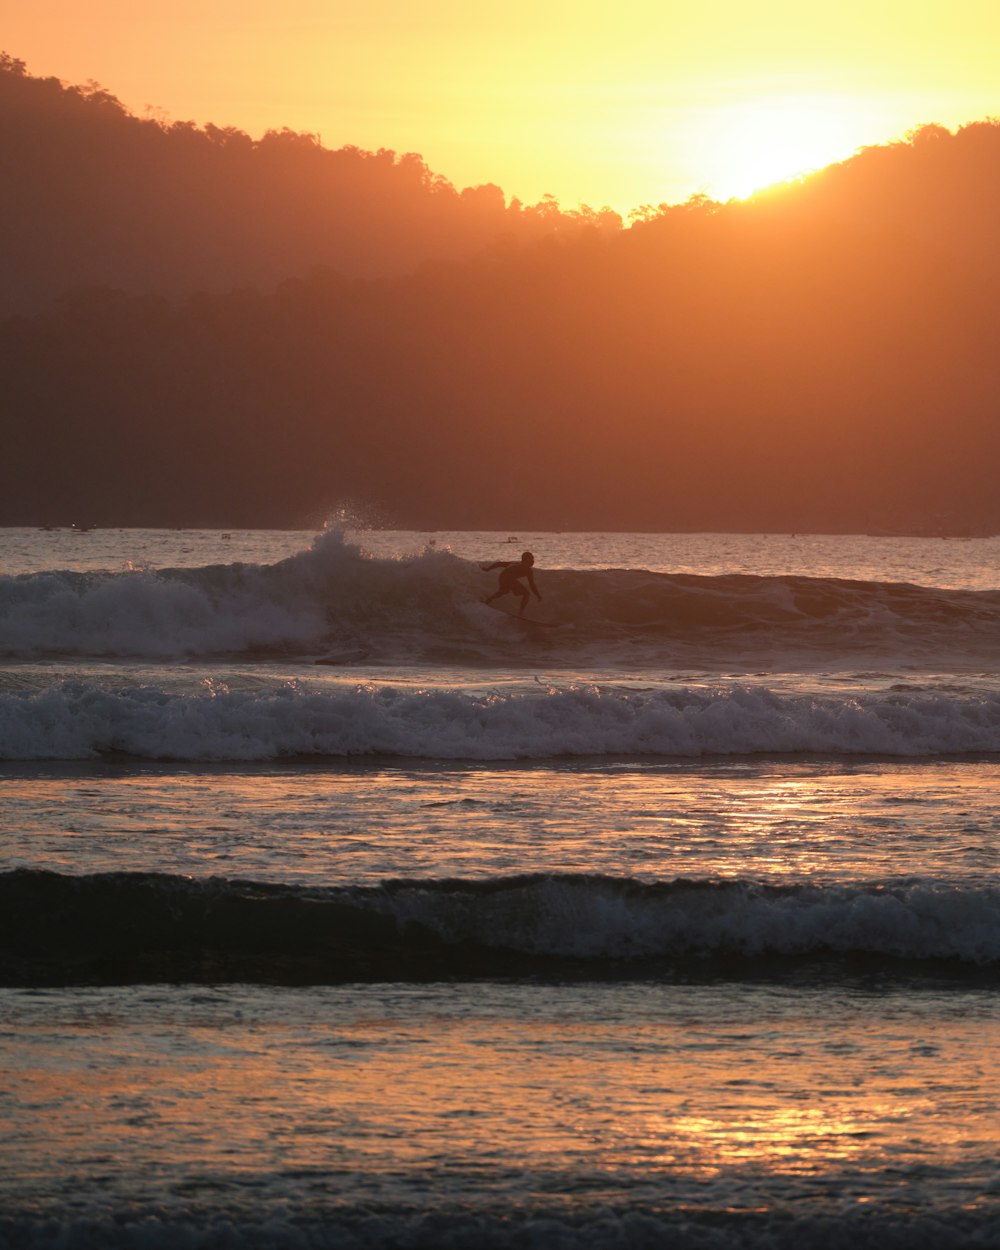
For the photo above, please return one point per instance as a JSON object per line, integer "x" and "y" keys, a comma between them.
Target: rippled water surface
{"x": 339, "y": 910}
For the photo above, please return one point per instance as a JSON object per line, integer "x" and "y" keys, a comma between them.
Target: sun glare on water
{"x": 749, "y": 146}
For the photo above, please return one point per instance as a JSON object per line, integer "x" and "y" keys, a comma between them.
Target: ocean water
{"x": 342, "y": 910}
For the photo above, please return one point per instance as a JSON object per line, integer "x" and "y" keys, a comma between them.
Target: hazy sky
{"x": 596, "y": 103}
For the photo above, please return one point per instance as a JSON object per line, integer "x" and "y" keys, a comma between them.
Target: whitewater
{"x": 338, "y": 908}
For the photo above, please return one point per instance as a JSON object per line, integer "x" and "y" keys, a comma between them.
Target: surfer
{"x": 511, "y": 572}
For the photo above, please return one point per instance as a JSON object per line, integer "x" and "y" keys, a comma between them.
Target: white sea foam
{"x": 226, "y": 608}
{"x": 78, "y": 720}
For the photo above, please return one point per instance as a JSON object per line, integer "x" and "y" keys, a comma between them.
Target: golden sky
{"x": 597, "y": 103}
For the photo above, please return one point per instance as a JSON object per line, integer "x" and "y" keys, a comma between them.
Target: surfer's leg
{"x": 507, "y": 586}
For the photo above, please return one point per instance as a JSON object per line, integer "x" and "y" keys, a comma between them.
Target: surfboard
{"x": 525, "y": 620}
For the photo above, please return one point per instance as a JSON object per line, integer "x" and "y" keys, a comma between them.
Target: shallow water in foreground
{"x": 723, "y": 1103}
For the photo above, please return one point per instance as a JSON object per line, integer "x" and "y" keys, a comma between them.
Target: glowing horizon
{"x": 645, "y": 105}
{"x": 775, "y": 139}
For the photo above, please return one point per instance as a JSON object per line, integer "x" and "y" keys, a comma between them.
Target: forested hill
{"x": 823, "y": 356}
{"x": 106, "y": 198}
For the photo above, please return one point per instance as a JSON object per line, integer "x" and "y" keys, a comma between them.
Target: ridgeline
{"x": 205, "y": 329}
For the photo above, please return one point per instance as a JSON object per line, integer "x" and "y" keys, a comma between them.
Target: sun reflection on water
{"x": 763, "y": 820}
{"x": 359, "y": 1089}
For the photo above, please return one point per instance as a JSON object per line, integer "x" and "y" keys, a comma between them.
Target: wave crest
{"x": 121, "y": 926}
{"x": 333, "y": 598}
{"x": 79, "y": 720}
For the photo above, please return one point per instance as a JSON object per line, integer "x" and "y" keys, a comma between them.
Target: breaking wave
{"x": 333, "y": 600}
{"x": 77, "y": 720}
{"x": 121, "y": 927}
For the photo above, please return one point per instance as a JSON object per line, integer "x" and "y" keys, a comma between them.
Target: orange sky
{"x": 595, "y": 103}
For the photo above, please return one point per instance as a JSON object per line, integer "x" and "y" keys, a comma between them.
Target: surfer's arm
{"x": 531, "y": 583}
{"x": 497, "y": 564}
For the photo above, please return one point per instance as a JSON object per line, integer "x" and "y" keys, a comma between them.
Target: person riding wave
{"x": 510, "y": 583}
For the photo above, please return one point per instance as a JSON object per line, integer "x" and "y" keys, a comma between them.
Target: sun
{"x": 752, "y": 145}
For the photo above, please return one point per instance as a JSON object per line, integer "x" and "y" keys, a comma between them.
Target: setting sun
{"x": 752, "y": 145}
{"x": 645, "y": 104}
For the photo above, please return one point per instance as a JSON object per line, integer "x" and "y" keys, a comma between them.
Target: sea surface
{"x": 339, "y": 909}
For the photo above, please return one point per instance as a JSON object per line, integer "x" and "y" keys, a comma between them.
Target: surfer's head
{"x": 527, "y": 557}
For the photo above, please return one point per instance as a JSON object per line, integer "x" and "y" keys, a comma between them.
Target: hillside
{"x": 822, "y": 356}
{"x": 107, "y": 198}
